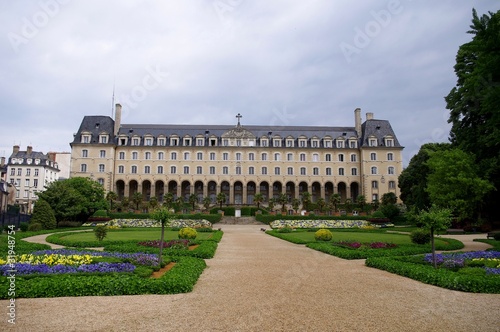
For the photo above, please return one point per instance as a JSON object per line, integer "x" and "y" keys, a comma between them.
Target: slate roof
{"x": 96, "y": 124}
{"x": 379, "y": 129}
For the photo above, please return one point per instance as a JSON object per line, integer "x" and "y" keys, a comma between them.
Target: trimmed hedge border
{"x": 267, "y": 219}
{"x": 438, "y": 277}
{"x": 400, "y": 250}
{"x": 180, "y": 279}
{"x": 206, "y": 249}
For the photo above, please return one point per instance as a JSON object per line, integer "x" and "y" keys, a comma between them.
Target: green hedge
{"x": 283, "y": 237}
{"x": 213, "y": 218}
{"x": 267, "y": 219}
{"x": 439, "y": 277}
{"x": 180, "y": 279}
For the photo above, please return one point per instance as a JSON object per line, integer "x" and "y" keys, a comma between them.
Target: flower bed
{"x": 179, "y": 223}
{"x": 489, "y": 261}
{"x": 357, "y": 245}
{"x": 174, "y": 244}
{"x": 65, "y": 261}
{"x": 319, "y": 223}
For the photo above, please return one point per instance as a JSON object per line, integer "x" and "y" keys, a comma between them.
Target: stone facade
{"x": 239, "y": 161}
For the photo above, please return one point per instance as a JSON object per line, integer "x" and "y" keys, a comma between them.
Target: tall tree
{"x": 454, "y": 183}
{"x": 474, "y": 102}
{"x": 435, "y": 219}
{"x": 413, "y": 180}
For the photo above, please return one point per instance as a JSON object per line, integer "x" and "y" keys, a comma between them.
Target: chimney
{"x": 29, "y": 149}
{"x": 357, "y": 120}
{"x": 118, "y": 118}
{"x": 369, "y": 116}
{"x": 15, "y": 150}
{"x": 2, "y": 161}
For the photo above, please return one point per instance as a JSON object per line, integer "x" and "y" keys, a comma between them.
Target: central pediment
{"x": 239, "y": 133}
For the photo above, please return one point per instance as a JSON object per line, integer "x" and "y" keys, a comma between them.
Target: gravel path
{"x": 256, "y": 282}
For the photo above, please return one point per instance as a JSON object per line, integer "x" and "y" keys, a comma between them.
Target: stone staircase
{"x": 238, "y": 221}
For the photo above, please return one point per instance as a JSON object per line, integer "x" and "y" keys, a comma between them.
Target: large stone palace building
{"x": 239, "y": 161}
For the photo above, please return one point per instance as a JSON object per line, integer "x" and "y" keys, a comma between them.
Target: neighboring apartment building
{"x": 239, "y": 161}
{"x": 29, "y": 171}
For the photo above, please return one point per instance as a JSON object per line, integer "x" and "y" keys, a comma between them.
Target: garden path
{"x": 257, "y": 282}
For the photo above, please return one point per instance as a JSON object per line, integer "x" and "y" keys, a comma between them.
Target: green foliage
{"x": 378, "y": 214}
{"x": 420, "y": 236}
{"x": 390, "y": 211}
{"x": 74, "y": 199}
{"x": 34, "y": 227}
{"x": 474, "y": 101}
{"x": 100, "y": 213}
{"x": 228, "y": 211}
{"x": 285, "y": 229}
{"x": 454, "y": 183}
{"x": 187, "y": 233}
{"x": 23, "y": 226}
{"x": 466, "y": 282}
{"x": 496, "y": 236}
{"x": 43, "y": 215}
{"x": 64, "y": 224}
{"x": 100, "y": 232}
{"x": 323, "y": 235}
{"x": 267, "y": 219}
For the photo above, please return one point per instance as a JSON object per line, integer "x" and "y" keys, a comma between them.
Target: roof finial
{"x": 239, "y": 116}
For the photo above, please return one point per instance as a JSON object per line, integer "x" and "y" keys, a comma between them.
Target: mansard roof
{"x": 378, "y": 129}
{"x": 95, "y": 125}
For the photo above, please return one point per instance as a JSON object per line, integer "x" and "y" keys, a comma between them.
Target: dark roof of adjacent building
{"x": 378, "y": 129}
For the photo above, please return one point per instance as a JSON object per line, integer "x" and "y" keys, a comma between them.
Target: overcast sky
{"x": 276, "y": 62}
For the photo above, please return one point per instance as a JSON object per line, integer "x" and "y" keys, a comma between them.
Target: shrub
{"x": 378, "y": 214}
{"x": 285, "y": 229}
{"x": 187, "y": 233}
{"x": 496, "y": 236}
{"x": 100, "y": 213}
{"x": 23, "y": 226}
{"x": 204, "y": 229}
{"x": 43, "y": 215}
{"x": 420, "y": 236}
{"x": 35, "y": 227}
{"x": 323, "y": 235}
{"x": 100, "y": 232}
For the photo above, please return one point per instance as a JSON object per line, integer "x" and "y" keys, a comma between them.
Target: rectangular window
{"x": 19, "y": 171}
{"x": 199, "y": 156}
{"x": 27, "y": 182}
{"x": 85, "y": 153}
{"x": 161, "y": 141}
{"x": 121, "y": 155}
{"x": 83, "y": 168}
{"x": 225, "y": 156}
{"x": 303, "y": 171}
{"x": 36, "y": 171}
{"x": 352, "y": 144}
{"x": 354, "y": 171}
{"x": 353, "y": 158}
{"x": 104, "y": 139}
{"x": 212, "y": 170}
{"x": 392, "y": 184}
{"x": 238, "y": 156}
{"x": 161, "y": 155}
{"x": 28, "y": 171}
{"x": 212, "y": 155}
{"x": 147, "y": 169}
{"x": 134, "y": 169}
{"x": 12, "y": 171}
{"x": 302, "y": 144}
{"x": 289, "y": 171}
{"x": 121, "y": 169}
{"x": 374, "y": 184}
{"x": 199, "y": 170}
{"x": 86, "y": 139}
{"x": 102, "y": 154}
{"x": 135, "y": 155}
{"x": 148, "y": 141}
{"x": 289, "y": 157}
{"x": 264, "y": 170}
{"x": 315, "y": 171}
{"x": 225, "y": 170}
{"x": 200, "y": 142}
{"x": 186, "y": 156}
{"x": 26, "y": 193}
{"x": 173, "y": 156}
{"x": 160, "y": 169}
{"x": 101, "y": 168}
{"x": 328, "y": 157}
{"x": 251, "y": 170}
{"x": 276, "y": 171}
{"x": 264, "y": 156}
{"x": 135, "y": 141}
{"x": 173, "y": 170}
{"x": 147, "y": 155}
{"x": 341, "y": 171}
{"x": 328, "y": 171}
{"x": 238, "y": 170}
{"x": 186, "y": 169}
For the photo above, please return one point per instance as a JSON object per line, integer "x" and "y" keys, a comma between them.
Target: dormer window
{"x": 389, "y": 142}
{"x": 148, "y": 141}
{"x": 200, "y": 142}
{"x": 161, "y": 141}
{"x": 372, "y": 142}
{"x": 277, "y": 142}
{"x": 103, "y": 138}
{"x": 353, "y": 144}
{"x": 264, "y": 142}
{"x": 85, "y": 138}
{"x": 174, "y": 141}
{"x": 135, "y": 141}
{"x": 187, "y": 141}
{"x": 289, "y": 142}
{"x": 340, "y": 143}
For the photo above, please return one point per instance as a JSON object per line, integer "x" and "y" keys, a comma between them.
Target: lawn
{"x": 137, "y": 234}
{"x": 368, "y": 236}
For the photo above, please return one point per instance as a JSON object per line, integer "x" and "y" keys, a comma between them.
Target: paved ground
{"x": 259, "y": 283}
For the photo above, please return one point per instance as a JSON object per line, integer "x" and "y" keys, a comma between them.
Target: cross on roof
{"x": 239, "y": 116}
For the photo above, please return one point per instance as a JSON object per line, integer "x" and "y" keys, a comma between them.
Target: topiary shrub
{"x": 420, "y": 236}
{"x": 100, "y": 213}
{"x": 323, "y": 235}
{"x": 34, "y": 227}
{"x": 187, "y": 233}
{"x": 496, "y": 236}
{"x": 44, "y": 215}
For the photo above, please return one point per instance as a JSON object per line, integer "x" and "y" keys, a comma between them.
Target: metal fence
{"x": 13, "y": 219}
